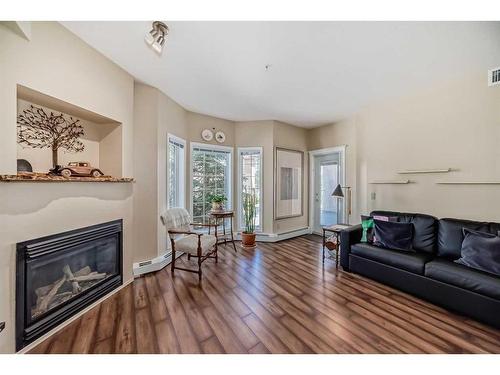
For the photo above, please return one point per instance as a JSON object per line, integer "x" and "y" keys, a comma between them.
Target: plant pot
{"x": 248, "y": 239}
{"x": 217, "y": 206}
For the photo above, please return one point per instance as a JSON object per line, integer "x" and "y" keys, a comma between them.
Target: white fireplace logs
{"x": 58, "y": 292}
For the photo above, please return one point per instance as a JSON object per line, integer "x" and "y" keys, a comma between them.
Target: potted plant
{"x": 249, "y": 213}
{"x": 218, "y": 202}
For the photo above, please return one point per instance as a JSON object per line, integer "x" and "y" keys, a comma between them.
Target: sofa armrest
{"x": 349, "y": 237}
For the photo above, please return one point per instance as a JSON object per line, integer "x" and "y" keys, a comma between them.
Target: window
{"x": 211, "y": 174}
{"x": 176, "y": 162}
{"x": 250, "y": 180}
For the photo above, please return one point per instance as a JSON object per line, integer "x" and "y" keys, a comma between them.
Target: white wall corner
{"x": 21, "y": 28}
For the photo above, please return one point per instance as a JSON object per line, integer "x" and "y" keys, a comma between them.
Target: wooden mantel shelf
{"x": 46, "y": 178}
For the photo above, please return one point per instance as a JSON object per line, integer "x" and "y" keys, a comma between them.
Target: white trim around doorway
{"x": 324, "y": 151}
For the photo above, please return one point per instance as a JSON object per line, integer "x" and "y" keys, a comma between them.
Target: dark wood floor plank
{"x": 107, "y": 319}
{"x": 268, "y": 340}
{"x": 241, "y": 330}
{"x": 166, "y": 340}
{"x": 84, "y": 336}
{"x": 146, "y": 340}
{"x": 212, "y": 346}
{"x": 155, "y": 298}
{"x": 275, "y": 298}
{"x": 63, "y": 340}
{"x": 183, "y": 331}
{"x": 259, "y": 349}
{"x": 103, "y": 347}
{"x": 125, "y": 330}
{"x": 43, "y": 347}
{"x": 225, "y": 335}
{"x": 337, "y": 345}
{"x": 338, "y": 320}
{"x": 194, "y": 315}
{"x": 285, "y": 335}
{"x": 140, "y": 293}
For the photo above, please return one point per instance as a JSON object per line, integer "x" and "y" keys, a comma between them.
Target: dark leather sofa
{"x": 430, "y": 272}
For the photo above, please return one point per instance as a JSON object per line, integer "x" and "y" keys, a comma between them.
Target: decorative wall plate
{"x": 207, "y": 135}
{"x": 220, "y": 137}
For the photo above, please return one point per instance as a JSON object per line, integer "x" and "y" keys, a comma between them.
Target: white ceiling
{"x": 320, "y": 72}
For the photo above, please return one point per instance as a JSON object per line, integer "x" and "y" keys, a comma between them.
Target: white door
{"x": 327, "y": 210}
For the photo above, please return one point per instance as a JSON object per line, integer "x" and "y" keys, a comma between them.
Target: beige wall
{"x": 57, "y": 63}
{"x": 110, "y": 158}
{"x": 146, "y": 172}
{"x": 294, "y": 138}
{"x": 196, "y": 123}
{"x": 449, "y": 125}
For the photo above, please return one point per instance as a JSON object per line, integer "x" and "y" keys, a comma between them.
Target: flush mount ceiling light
{"x": 156, "y": 37}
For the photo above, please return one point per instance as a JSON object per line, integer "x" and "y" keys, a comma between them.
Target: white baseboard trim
{"x": 27, "y": 348}
{"x": 156, "y": 264}
{"x": 275, "y": 237}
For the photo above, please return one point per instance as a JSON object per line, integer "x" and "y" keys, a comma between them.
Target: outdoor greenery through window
{"x": 176, "y": 168}
{"x": 250, "y": 165}
{"x": 211, "y": 168}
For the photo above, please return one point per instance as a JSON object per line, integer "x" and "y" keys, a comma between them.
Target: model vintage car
{"x": 78, "y": 168}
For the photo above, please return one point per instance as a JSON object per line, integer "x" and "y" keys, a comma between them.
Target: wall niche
{"x": 102, "y": 137}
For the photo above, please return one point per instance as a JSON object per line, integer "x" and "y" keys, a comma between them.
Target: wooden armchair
{"x": 184, "y": 239}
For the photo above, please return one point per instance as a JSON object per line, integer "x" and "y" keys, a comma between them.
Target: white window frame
{"x": 240, "y": 188}
{"x": 181, "y": 170}
{"x": 208, "y": 146}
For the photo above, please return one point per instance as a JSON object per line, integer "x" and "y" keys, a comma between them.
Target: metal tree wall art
{"x": 37, "y": 129}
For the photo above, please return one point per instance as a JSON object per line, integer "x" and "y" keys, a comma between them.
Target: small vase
{"x": 217, "y": 206}
{"x": 248, "y": 239}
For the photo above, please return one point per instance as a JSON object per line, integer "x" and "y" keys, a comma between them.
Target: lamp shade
{"x": 338, "y": 192}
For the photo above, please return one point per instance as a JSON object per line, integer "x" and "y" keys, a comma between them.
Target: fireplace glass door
{"x": 53, "y": 280}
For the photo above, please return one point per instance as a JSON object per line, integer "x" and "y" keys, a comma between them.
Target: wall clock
{"x": 207, "y": 135}
{"x": 220, "y": 137}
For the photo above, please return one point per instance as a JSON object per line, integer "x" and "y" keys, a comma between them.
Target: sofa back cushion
{"x": 451, "y": 236}
{"x": 424, "y": 229}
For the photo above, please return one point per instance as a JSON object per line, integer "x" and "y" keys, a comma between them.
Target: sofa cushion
{"x": 424, "y": 229}
{"x": 464, "y": 277}
{"x": 481, "y": 251}
{"x": 412, "y": 262}
{"x": 450, "y": 235}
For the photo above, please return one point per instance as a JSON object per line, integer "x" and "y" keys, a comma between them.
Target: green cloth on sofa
{"x": 367, "y": 225}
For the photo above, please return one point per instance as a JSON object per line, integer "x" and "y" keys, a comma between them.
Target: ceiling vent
{"x": 494, "y": 77}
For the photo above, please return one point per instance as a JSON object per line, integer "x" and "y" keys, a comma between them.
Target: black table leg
{"x": 323, "y": 253}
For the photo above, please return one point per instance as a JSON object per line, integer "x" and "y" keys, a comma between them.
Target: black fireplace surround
{"x": 59, "y": 275}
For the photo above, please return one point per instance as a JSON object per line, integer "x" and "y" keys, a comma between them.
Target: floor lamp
{"x": 338, "y": 193}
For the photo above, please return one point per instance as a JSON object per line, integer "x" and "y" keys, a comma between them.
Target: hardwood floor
{"x": 277, "y": 298}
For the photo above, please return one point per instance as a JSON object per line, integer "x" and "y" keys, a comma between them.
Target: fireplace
{"x": 59, "y": 275}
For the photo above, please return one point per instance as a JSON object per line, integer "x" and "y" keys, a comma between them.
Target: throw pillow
{"x": 367, "y": 225}
{"x": 481, "y": 251}
{"x": 393, "y": 235}
{"x": 383, "y": 218}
